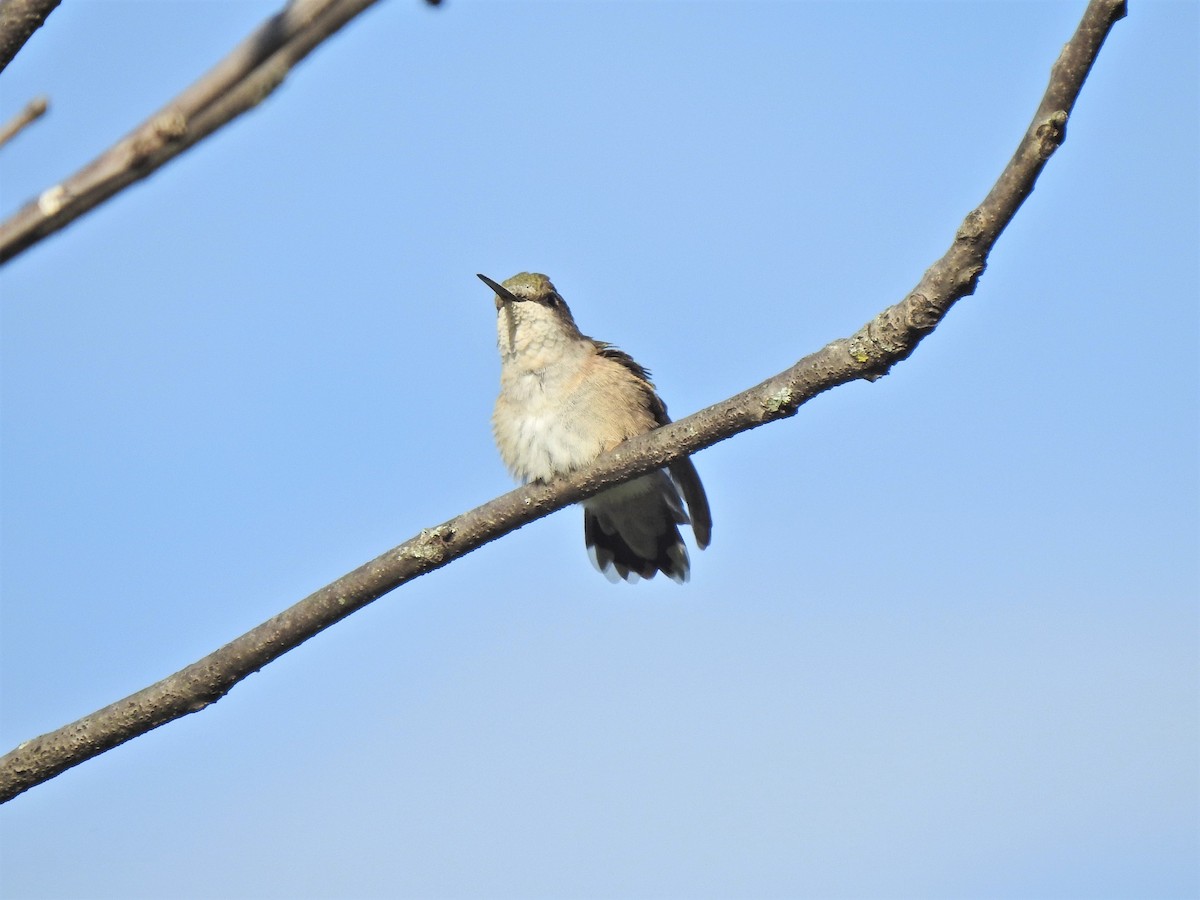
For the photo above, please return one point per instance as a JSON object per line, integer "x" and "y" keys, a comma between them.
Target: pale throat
{"x": 537, "y": 424}
{"x": 532, "y": 340}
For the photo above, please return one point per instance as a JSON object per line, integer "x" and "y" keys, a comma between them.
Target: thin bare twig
{"x": 868, "y": 354}
{"x": 34, "y": 110}
{"x": 19, "y": 19}
{"x": 238, "y": 83}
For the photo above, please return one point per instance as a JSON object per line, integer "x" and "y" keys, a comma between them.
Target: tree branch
{"x": 868, "y": 354}
{"x": 238, "y": 83}
{"x": 19, "y": 19}
{"x": 34, "y": 110}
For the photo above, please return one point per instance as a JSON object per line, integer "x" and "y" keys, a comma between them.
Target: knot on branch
{"x": 1050, "y": 133}
{"x": 430, "y": 547}
{"x": 52, "y": 200}
{"x": 883, "y": 341}
{"x": 168, "y": 127}
{"x": 969, "y": 278}
{"x": 972, "y": 230}
{"x": 780, "y": 403}
{"x": 922, "y": 315}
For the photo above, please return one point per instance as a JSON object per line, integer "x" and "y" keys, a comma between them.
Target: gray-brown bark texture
{"x": 19, "y": 19}
{"x": 237, "y": 84}
{"x": 34, "y": 110}
{"x": 867, "y": 354}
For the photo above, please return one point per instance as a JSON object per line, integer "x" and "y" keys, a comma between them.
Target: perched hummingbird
{"x": 565, "y": 399}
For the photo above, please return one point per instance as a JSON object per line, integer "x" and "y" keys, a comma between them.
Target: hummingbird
{"x": 566, "y": 398}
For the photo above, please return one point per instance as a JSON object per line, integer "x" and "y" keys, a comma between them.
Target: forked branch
{"x": 236, "y": 84}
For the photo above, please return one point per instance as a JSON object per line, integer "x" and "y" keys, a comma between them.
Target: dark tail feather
{"x": 618, "y": 561}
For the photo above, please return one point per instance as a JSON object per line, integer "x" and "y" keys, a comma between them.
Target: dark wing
{"x": 688, "y": 479}
{"x": 682, "y": 470}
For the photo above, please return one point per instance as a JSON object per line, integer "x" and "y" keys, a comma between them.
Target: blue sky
{"x": 944, "y": 643}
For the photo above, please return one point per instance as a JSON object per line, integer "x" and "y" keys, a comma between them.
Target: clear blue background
{"x": 944, "y": 643}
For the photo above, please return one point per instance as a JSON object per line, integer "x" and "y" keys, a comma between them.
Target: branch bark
{"x": 19, "y": 19}
{"x": 34, "y": 110}
{"x": 238, "y": 83}
{"x": 868, "y": 354}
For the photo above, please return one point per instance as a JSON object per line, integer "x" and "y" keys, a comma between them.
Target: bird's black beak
{"x": 501, "y": 291}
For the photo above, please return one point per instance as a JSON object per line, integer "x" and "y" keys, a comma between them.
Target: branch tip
{"x": 34, "y": 110}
